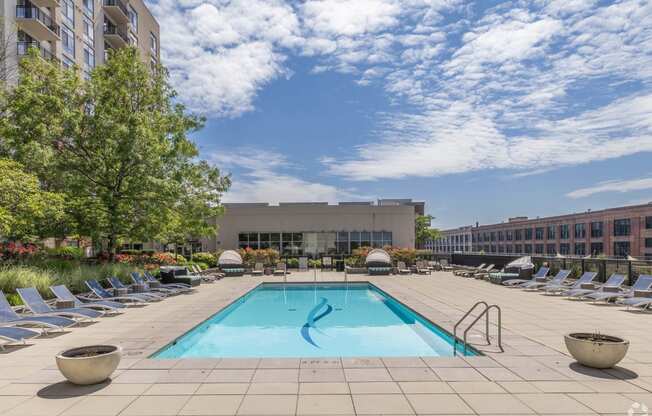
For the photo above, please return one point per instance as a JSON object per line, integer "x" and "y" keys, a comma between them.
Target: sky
{"x": 484, "y": 110}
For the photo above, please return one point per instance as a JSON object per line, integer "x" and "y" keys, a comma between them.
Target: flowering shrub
{"x": 267, "y": 256}
{"x": 13, "y": 250}
{"x": 165, "y": 259}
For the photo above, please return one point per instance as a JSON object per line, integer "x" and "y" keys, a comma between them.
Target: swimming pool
{"x": 313, "y": 320}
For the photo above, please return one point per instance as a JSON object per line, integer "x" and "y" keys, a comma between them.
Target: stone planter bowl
{"x": 89, "y": 365}
{"x": 605, "y": 353}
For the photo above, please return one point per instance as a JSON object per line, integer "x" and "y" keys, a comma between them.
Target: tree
{"x": 117, "y": 146}
{"x": 26, "y": 212}
{"x": 423, "y": 232}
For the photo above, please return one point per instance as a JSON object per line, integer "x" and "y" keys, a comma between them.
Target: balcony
{"x": 116, "y": 36}
{"x": 24, "y": 47}
{"x": 46, "y": 3}
{"x": 116, "y": 10}
{"x": 37, "y": 24}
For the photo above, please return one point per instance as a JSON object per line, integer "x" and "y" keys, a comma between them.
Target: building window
{"x": 501, "y": 236}
{"x": 493, "y": 236}
{"x": 622, "y": 227}
{"x": 509, "y": 235}
{"x": 596, "y": 229}
{"x": 89, "y": 58}
{"x": 597, "y": 249}
{"x": 68, "y": 41}
{"x": 621, "y": 248}
{"x": 528, "y": 233}
{"x": 551, "y": 248}
{"x": 501, "y": 249}
{"x": 133, "y": 18}
{"x": 153, "y": 43}
{"x": 648, "y": 223}
{"x": 89, "y": 8}
{"x": 133, "y": 39}
{"x": 67, "y": 62}
{"x": 89, "y": 32}
{"x": 563, "y": 232}
{"x": 68, "y": 12}
{"x": 580, "y": 231}
{"x": 538, "y": 248}
{"x": 648, "y": 243}
{"x": 538, "y": 234}
{"x": 527, "y": 248}
{"x": 564, "y": 248}
{"x": 550, "y": 232}
{"x": 518, "y": 236}
{"x": 580, "y": 249}
{"x": 517, "y": 249}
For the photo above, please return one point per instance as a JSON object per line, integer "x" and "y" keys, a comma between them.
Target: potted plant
{"x": 89, "y": 365}
{"x": 596, "y": 350}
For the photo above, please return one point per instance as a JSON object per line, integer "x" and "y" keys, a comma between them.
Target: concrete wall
{"x": 240, "y": 218}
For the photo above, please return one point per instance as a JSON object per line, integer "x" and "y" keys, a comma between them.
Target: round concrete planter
{"x": 596, "y": 350}
{"x": 89, "y": 365}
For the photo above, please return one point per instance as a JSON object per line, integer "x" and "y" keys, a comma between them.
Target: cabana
{"x": 378, "y": 262}
{"x": 521, "y": 268}
{"x": 230, "y": 263}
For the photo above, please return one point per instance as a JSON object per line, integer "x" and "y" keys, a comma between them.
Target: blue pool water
{"x": 313, "y": 320}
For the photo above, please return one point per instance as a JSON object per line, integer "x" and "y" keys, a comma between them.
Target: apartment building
{"x": 76, "y": 32}
{"x": 455, "y": 240}
{"x": 615, "y": 232}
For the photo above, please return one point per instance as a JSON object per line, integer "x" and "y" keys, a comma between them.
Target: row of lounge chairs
{"x": 639, "y": 295}
{"x": 37, "y": 316}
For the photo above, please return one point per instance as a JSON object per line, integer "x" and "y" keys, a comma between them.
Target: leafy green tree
{"x": 26, "y": 211}
{"x": 117, "y": 146}
{"x": 423, "y": 232}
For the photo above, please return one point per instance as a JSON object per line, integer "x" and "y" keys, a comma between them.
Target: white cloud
{"x": 262, "y": 179}
{"x": 613, "y": 186}
{"x": 350, "y": 17}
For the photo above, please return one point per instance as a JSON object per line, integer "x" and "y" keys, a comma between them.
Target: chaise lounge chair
{"x": 607, "y": 293}
{"x": 462, "y": 272}
{"x": 612, "y": 285}
{"x": 9, "y": 317}
{"x": 166, "y": 291}
{"x": 422, "y": 267}
{"x": 481, "y": 274}
{"x": 641, "y": 297}
{"x": 258, "y": 269}
{"x": 585, "y": 279}
{"x": 63, "y": 293}
{"x": 150, "y": 278}
{"x": 104, "y": 294}
{"x": 402, "y": 268}
{"x": 541, "y": 275}
{"x": 146, "y": 296}
{"x": 559, "y": 278}
{"x": 280, "y": 270}
{"x": 10, "y": 335}
{"x": 35, "y": 303}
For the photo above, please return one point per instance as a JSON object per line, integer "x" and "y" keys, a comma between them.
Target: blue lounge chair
{"x": 540, "y": 275}
{"x": 151, "y": 278}
{"x": 35, "y": 303}
{"x": 585, "y": 278}
{"x": 616, "y": 293}
{"x": 8, "y": 316}
{"x": 63, "y": 293}
{"x": 104, "y": 294}
{"x": 633, "y": 299}
{"x": 135, "y": 277}
{"x": 613, "y": 284}
{"x": 15, "y": 335}
{"x": 117, "y": 284}
{"x": 559, "y": 278}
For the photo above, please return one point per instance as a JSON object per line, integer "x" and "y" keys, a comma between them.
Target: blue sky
{"x": 484, "y": 110}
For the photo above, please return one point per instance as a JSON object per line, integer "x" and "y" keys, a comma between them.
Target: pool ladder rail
{"x": 485, "y": 312}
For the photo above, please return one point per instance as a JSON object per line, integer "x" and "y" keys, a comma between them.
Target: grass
{"x": 44, "y": 274}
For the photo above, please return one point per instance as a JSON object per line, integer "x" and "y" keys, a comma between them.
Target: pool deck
{"x": 534, "y": 374}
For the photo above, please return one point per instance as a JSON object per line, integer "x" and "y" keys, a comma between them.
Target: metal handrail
{"x": 485, "y": 313}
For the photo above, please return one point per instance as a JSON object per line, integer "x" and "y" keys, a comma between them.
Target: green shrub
{"x": 201, "y": 265}
{"x": 13, "y": 277}
{"x": 207, "y": 258}
{"x": 314, "y": 264}
{"x": 292, "y": 263}
{"x": 66, "y": 252}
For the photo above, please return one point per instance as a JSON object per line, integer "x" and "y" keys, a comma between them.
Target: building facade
{"x": 452, "y": 241}
{"x": 614, "y": 232}
{"x": 76, "y": 32}
{"x": 315, "y": 229}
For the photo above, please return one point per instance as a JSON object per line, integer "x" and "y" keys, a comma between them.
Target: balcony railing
{"x": 24, "y": 12}
{"x": 24, "y": 47}
{"x": 117, "y": 3}
{"x": 117, "y": 31}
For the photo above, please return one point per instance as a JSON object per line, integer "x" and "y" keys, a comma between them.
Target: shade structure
{"x": 378, "y": 258}
{"x": 523, "y": 263}
{"x": 230, "y": 258}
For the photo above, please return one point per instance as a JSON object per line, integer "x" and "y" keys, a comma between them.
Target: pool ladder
{"x": 485, "y": 312}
